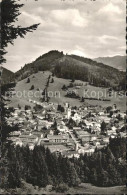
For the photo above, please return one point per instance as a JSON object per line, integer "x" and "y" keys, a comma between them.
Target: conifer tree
{"x": 10, "y": 10}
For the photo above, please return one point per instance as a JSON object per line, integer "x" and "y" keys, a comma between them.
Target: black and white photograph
{"x": 63, "y": 97}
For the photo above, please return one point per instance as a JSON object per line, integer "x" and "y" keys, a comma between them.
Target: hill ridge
{"x": 73, "y": 67}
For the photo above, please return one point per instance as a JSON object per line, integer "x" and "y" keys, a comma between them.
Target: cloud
{"x": 110, "y": 8}
{"x": 105, "y": 39}
{"x": 71, "y": 16}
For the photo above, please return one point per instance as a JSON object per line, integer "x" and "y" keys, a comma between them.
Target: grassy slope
{"x": 39, "y": 81}
{"x": 84, "y": 188}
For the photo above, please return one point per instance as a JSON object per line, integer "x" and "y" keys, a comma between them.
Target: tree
{"x": 111, "y": 113}
{"x": 73, "y": 80}
{"x": 9, "y": 31}
{"x": 64, "y": 87}
{"x": 71, "y": 123}
{"x": 41, "y": 170}
{"x": 70, "y": 85}
{"x": 32, "y": 87}
{"x": 5, "y": 128}
{"x": 108, "y": 109}
{"x": 54, "y": 126}
{"x": 61, "y": 188}
{"x": 103, "y": 127}
{"x": 93, "y": 176}
{"x": 19, "y": 107}
{"x": 28, "y": 80}
{"x": 69, "y": 173}
{"x": 12, "y": 177}
{"x": 27, "y": 107}
{"x": 52, "y": 81}
{"x": 82, "y": 99}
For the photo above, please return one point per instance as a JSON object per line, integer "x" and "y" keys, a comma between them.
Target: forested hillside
{"x": 42, "y": 63}
{"x": 75, "y": 67}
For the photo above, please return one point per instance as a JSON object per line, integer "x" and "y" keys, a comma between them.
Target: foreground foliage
{"x": 40, "y": 167}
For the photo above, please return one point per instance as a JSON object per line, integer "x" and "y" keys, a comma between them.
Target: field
{"x": 57, "y": 95}
{"x": 90, "y": 189}
{"x": 84, "y": 188}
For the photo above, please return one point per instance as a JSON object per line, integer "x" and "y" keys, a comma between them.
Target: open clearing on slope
{"x": 57, "y": 94}
{"x": 84, "y": 188}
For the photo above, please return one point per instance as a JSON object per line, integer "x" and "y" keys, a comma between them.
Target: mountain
{"x": 74, "y": 67}
{"x": 6, "y": 75}
{"x": 118, "y": 62}
{"x": 42, "y": 63}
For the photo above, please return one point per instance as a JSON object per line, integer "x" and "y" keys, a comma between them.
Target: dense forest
{"x": 40, "y": 167}
{"x": 97, "y": 74}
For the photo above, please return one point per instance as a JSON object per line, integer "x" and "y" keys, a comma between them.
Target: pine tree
{"x": 32, "y": 87}
{"x": 9, "y": 31}
{"x": 52, "y": 81}
{"x": 103, "y": 127}
{"x": 28, "y": 80}
{"x": 12, "y": 171}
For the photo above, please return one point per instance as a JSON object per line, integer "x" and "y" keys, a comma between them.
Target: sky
{"x": 83, "y": 27}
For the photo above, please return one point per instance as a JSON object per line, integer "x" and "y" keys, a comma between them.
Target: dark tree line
{"x": 96, "y": 74}
{"x": 69, "y": 71}
{"x": 40, "y": 167}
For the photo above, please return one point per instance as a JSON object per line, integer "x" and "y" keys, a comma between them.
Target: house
{"x": 81, "y": 134}
{"x": 77, "y": 129}
{"x": 37, "y": 134}
{"x": 32, "y": 138}
{"x": 40, "y": 127}
{"x": 40, "y": 117}
{"x": 114, "y": 128}
{"x": 123, "y": 115}
{"x": 62, "y": 128}
{"x": 51, "y": 132}
{"x": 71, "y": 154}
{"x": 19, "y": 142}
{"x": 58, "y": 138}
{"x": 85, "y": 139}
{"x": 31, "y": 146}
{"x": 101, "y": 113}
{"x": 123, "y": 134}
{"x": 96, "y": 143}
{"x": 87, "y": 150}
{"x": 28, "y": 138}
{"x": 93, "y": 138}
{"x": 55, "y": 148}
{"x": 110, "y": 132}
{"x": 15, "y": 134}
{"x": 76, "y": 117}
{"x": 106, "y": 140}
{"x": 112, "y": 136}
{"x": 90, "y": 151}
